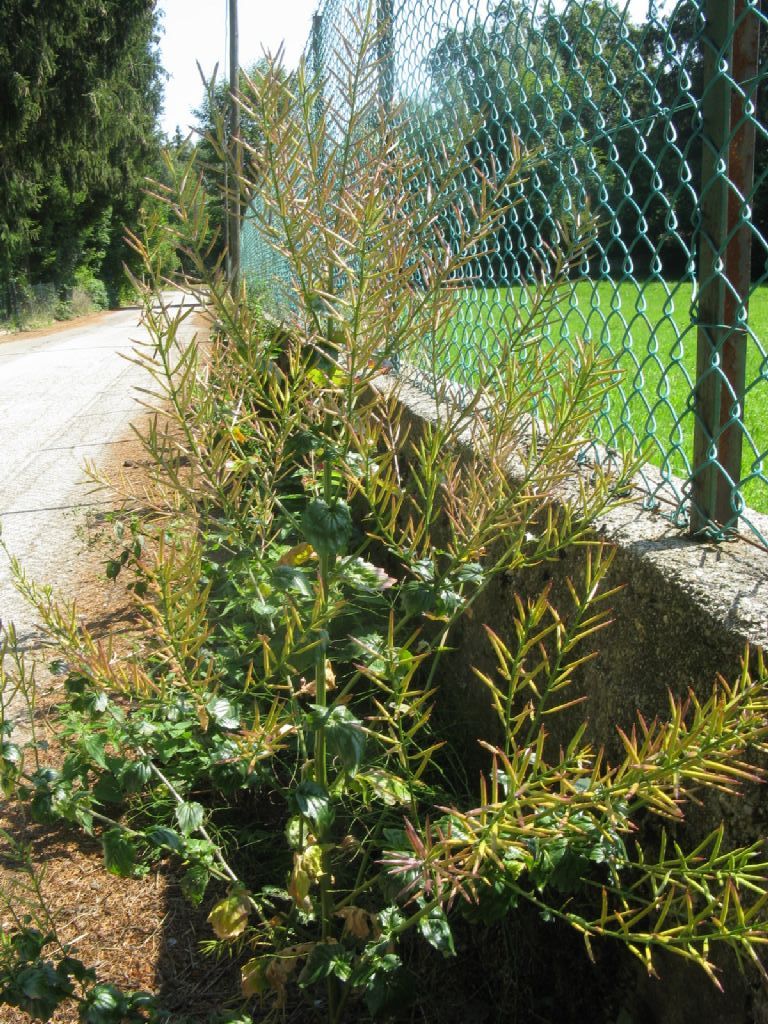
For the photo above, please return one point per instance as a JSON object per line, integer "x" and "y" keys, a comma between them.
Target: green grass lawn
{"x": 647, "y": 329}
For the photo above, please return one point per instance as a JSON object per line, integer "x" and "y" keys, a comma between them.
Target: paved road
{"x": 64, "y": 397}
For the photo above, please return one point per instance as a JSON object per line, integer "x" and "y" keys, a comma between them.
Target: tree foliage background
{"x": 611, "y": 108}
{"x": 81, "y": 88}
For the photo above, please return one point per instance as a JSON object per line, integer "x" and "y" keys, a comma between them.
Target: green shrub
{"x": 306, "y": 559}
{"x": 88, "y": 289}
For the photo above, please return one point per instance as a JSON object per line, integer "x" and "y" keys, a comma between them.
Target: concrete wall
{"x": 684, "y": 615}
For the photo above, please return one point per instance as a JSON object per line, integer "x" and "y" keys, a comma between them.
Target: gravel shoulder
{"x": 67, "y": 396}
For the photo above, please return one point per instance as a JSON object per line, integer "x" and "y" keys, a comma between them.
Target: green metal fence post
{"x": 728, "y": 138}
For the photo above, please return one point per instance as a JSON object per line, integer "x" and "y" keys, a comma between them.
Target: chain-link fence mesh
{"x": 653, "y": 122}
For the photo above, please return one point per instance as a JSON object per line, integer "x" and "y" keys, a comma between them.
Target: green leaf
{"x": 29, "y": 943}
{"x": 194, "y": 882}
{"x": 190, "y": 816}
{"x": 10, "y": 753}
{"x": 366, "y": 577}
{"x": 119, "y": 852}
{"x": 295, "y": 831}
{"x": 344, "y": 735}
{"x": 417, "y": 598}
{"x": 37, "y": 982}
{"x": 469, "y": 572}
{"x": 314, "y": 802}
{"x": 75, "y": 683}
{"x": 389, "y": 988}
{"x": 436, "y": 930}
{"x": 328, "y": 528}
{"x": 108, "y": 789}
{"x": 43, "y": 988}
{"x": 292, "y": 578}
{"x": 223, "y": 712}
{"x": 166, "y": 838}
{"x": 99, "y": 703}
{"x": 388, "y": 787}
{"x": 103, "y": 997}
{"x": 325, "y": 959}
{"x": 136, "y": 775}
{"x": 71, "y": 966}
{"x": 94, "y": 745}
{"x": 114, "y": 566}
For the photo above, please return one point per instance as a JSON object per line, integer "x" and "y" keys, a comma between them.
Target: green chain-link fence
{"x": 657, "y": 125}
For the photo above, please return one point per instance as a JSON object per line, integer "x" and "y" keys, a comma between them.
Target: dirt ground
{"x": 136, "y": 933}
{"x": 57, "y": 327}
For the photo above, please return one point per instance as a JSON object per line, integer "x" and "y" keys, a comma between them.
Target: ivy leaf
{"x": 189, "y": 815}
{"x": 436, "y": 930}
{"x": 328, "y": 528}
{"x": 314, "y": 802}
{"x": 119, "y": 852}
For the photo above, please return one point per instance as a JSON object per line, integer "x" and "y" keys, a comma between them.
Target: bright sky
{"x": 196, "y": 30}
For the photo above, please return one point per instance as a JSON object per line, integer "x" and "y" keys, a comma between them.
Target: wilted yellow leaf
{"x": 253, "y": 978}
{"x": 281, "y": 967}
{"x": 230, "y": 916}
{"x": 299, "y": 885}
{"x": 312, "y": 861}
{"x": 357, "y": 922}
{"x": 297, "y": 555}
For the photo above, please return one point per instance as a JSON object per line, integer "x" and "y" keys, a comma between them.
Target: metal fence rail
{"x": 655, "y": 124}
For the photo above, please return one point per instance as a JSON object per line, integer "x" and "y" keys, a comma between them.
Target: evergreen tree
{"x": 80, "y": 81}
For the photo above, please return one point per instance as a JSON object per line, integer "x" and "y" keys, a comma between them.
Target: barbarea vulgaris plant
{"x": 306, "y": 551}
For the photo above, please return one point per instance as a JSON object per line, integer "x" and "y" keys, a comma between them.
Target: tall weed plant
{"x": 305, "y": 552}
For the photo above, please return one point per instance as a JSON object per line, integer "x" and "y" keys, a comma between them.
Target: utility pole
{"x": 236, "y": 150}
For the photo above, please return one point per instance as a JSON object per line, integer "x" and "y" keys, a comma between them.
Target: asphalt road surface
{"x": 65, "y": 397}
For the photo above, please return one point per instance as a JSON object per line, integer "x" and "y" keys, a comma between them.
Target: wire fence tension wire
{"x": 658, "y": 128}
